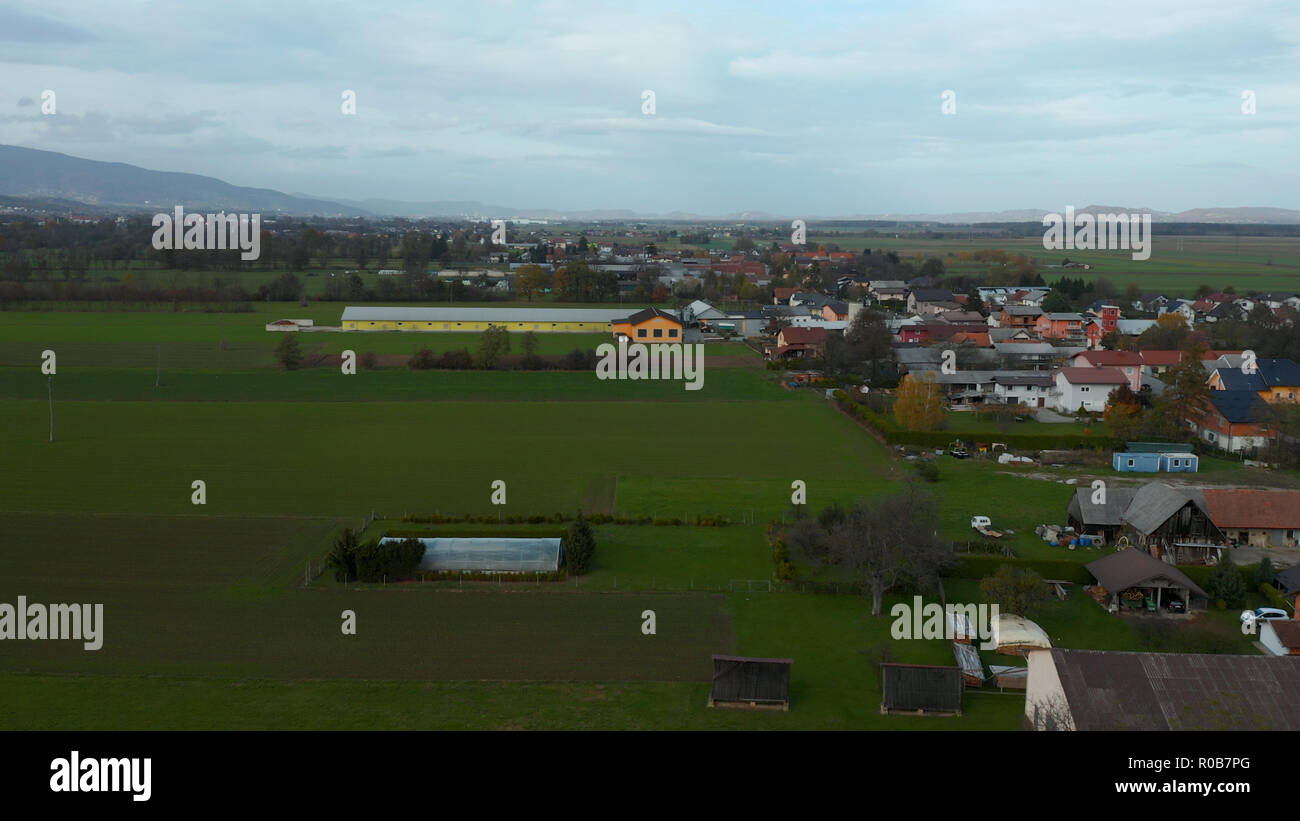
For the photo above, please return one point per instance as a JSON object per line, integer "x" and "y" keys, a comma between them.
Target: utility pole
{"x": 50, "y": 381}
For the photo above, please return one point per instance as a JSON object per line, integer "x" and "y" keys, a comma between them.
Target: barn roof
{"x": 1179, "y": 691}
{"x": 1288, "y": 581}
{"x": 1249, "y": 508}
{"x": 1155, "y": 502}
{"x": 744, "y": 678}
{"x": 1134, "y": 567}
{"x": 1083, "y": 508}
{"x": 921, "y": 687}
{"x": 539, "y": 315}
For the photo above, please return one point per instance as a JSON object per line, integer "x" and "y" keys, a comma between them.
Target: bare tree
{"x": 885, "y": 541}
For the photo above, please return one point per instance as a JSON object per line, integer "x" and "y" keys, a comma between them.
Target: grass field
{"x": 207, "y": 620}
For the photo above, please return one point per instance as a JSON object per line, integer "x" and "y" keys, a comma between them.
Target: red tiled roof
{"x": 803, "y": 336}
{"x": 1288, "y": 632}
{"x": 1272, "y": 509}
{"x": 1094, "y": 376}
{"x": 1102, "y": 359}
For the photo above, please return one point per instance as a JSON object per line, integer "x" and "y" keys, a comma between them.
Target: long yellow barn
{"x": 538, "y": 320}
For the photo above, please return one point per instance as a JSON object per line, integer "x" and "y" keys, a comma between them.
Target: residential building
{"x": 1086, "y": 388}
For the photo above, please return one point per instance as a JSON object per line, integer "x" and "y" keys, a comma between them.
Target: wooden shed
{"x": 921, "y": 689}
{"x": 759, "y": 683}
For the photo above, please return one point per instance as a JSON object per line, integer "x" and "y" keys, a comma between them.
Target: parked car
{"x": 1263, "y": 614}
{"x": 1175, "y": 605}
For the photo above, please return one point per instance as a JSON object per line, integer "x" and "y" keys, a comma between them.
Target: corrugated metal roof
{"x": 1179, "y": 691}
{"x": 538, "y": 315}
{"x": 1155, "y": 502}
{"x": 1110, "y": 514}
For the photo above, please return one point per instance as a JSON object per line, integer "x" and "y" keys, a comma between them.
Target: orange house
{"x": 649, "y": 325}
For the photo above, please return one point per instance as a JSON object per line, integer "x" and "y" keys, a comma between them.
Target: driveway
{"x": 1280, "y": 556}
{"x": 1049, "y": 415}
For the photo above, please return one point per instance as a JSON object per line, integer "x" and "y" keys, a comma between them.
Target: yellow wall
{"x": 463, "y": 327}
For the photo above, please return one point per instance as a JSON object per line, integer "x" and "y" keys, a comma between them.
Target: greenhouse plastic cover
{"x": 489, "y": 554}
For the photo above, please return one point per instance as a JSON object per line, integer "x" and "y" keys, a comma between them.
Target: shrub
{"x": 929, "y": 470}
{"x": 456, "y": 360}
{"x": 579, "y": 546}
{"x": 342, "y": 558}
{"x": 389, "y": 561}
{"x": 288, "y": 352}
{"x": 1264, "y": 573}
{"x": 369, "y": 361}
{"x": 423, "y": 360}
{"x": 1226, "y": 584}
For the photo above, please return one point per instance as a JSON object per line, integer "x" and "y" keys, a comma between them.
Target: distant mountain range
{"x": 48, "y": 175}
{"x": 53, "y": 181}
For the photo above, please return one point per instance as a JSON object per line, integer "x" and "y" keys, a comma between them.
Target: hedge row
{"x": 1201, "y": 574}
{"x": 977, "y": 567}
{"x": 563, "y": 518}
{"x": 515, "y": 532}
{"x": 1047, "y": 440}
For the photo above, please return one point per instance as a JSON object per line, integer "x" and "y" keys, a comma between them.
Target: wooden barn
{"x": 759, "y": 683}
{"x": 921, "y": 689}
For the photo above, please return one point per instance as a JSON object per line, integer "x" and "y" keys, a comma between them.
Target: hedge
{"x": 513, "y": 532}
{"x": 888, "y": 429}
{"x": 1274, "y": 596}
{"x": 977, "y": 567}
{"x": 1201, "y": 573}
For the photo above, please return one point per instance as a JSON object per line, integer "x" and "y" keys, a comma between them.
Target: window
{"x": 672, "y": 332}
{"x": 1130, "y": 463}
{"x": 1084, "y": 389}
{"x": 640, "y": 332}
{"x": 659, "y": 332}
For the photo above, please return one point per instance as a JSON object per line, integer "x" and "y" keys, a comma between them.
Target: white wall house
{"x": 1086, "y": 387}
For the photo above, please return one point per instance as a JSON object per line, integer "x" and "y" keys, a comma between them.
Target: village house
{"x": 931, "y": 301}
{"x": 1234, "y": 421}
{"x": 1274, "y": 380}
{"x": 1019, "y": 317}
{"x": 798, "y": 343}
{"x": 1256, "y": 517}
{"x": 1129, "y": 362}
{"x": 1088, "y": 389}
{"x": 1067, "y": 326}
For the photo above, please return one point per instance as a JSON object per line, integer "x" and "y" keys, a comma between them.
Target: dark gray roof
{"x": 1179, "y": 691}
{"x": 1288, "y": 581}
{"x": 740, "y": 678}
{"x": 1134, "y": 567}
{"x": 921, "y": 687}
{"x": 1155, "y": 502}
{"x": 1109, "y": 515}
{"x": 1269, "y": 373}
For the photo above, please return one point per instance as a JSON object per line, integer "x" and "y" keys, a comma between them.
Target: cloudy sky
{"x": 814, "y": 109}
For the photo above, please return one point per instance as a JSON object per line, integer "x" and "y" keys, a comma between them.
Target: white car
{"x": 1263, "y": 614}
{"x": 976, "y": 522}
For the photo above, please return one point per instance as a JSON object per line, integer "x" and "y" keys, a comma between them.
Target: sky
{"x": 791, "y": 109}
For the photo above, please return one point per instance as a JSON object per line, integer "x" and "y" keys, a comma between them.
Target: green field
{"x": 217, "y": 616}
